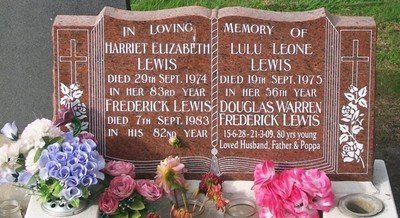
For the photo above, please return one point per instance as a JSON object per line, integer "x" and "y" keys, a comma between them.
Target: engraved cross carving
{"x": 354, "y": 59}
{"x": 73, "y": 59}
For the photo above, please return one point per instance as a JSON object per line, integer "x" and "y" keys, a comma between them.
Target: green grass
{"x": 387, "y": 16}
{"x": 149, "y": 5}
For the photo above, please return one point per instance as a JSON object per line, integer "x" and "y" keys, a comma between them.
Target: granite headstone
{"x": 235, "y": 85}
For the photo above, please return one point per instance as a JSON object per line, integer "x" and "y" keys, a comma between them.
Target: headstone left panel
{"x": 138, "y": 79}
{"x": 157, "y": 85}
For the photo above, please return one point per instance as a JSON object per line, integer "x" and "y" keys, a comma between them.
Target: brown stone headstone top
{"x": 235, "y": 85}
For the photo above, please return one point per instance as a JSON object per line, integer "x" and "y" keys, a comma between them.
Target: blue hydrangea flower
{"x": 71, "y": 193}
{"x": 64, "y": 173}
{"x": 88, "y": 180}
{"x": 75, "y": 162}
{"x": 72, "y": 181}
{"x": 53, "y": 148}
{"x": 67, "y": 148}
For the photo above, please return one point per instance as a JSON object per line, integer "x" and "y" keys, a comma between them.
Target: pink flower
{"x": 264, "y": 212}
{"x": 314, "y": 181}
{"x": 324, "y": 202}
{"x": 122, "y": 187}
{"x": 318, "y": 186}
{"x": 117, "y": 168}
{"x": 264, "y": 173}
{"x": 148, "y": 190}
{"x": 266, "y": 196}
{"x": 270, "y": 196}
{"x": 170, "y": 172}
{"x": 295, "y": 174}
{"x": 65, "y": 115}
{"x": 293, "y": 193}
{"x": 297, "y": 202}
{"x": 107, "y": 203}
{"x": 283, "y": 184}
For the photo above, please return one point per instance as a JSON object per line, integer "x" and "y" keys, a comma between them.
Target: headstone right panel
{"x": 292, "y": 88}
{"x": 357, "y": 97}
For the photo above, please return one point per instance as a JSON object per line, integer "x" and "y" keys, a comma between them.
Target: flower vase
{"x": 10, "y": 209}
{"x": 58, "y": 208}
{"x": 195, "y": 210}
{"x": 241, "y": 207}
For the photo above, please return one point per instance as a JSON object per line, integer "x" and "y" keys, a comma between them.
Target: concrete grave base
{"x": 380, "y": 188}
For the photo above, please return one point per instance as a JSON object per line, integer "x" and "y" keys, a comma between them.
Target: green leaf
{"x": 21, "y": 160}
{"x": 57, "y": 190}
{"x": 77, "y": 126}
{"x": 136, "y": 205}
{"x": 50, "y": 181}
{"x": 103, "y": 215}
{"x": 19, "y": 169}
{"x": 85, "y": 193}
{"x": 37, "y": 155}
{"x": 14, "y": 137}
{"x": 75, "y": 202}
{"x": 58, "y": 140}
{"x": 143, "y": 213}
{"x": 46, "y": 139}
{"x": 120, "y": 215}
{"x": 135, "y": 214}
{"x": 53, "y": 184}
{"x": 44, "y": 189}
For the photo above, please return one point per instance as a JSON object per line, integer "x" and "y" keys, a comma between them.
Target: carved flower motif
{"x": 352, "y": 151}
{"x": 353, "y": 89}
{"x": 71, "y": 97}
{"x": 352, "y": 124}
{"x": 79, "y": 109}
{"x": 349, "y": 110}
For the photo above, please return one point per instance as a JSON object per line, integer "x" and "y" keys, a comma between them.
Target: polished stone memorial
{"x": 235, "y": 85}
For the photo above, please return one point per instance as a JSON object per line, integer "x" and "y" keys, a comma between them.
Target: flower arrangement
{"x": 125, "y": 196}
{"x": 293, "y": 193}
{"x": 170, "y": 177}
{"x": 211, "y": 186}
{"x": 56, "y": 165}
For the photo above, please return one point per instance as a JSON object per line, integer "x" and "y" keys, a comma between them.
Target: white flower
{"x": 8, "y": 159}
{"x": 13, "y": 152}
{"x": 30, "y": 165}
{"x": 32, "y": 136}
{"x": 10, "y": 130}
{"x": 3, "y": 154}
{"x": 6, "y": 175}
{"x": 9, "y": 154}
